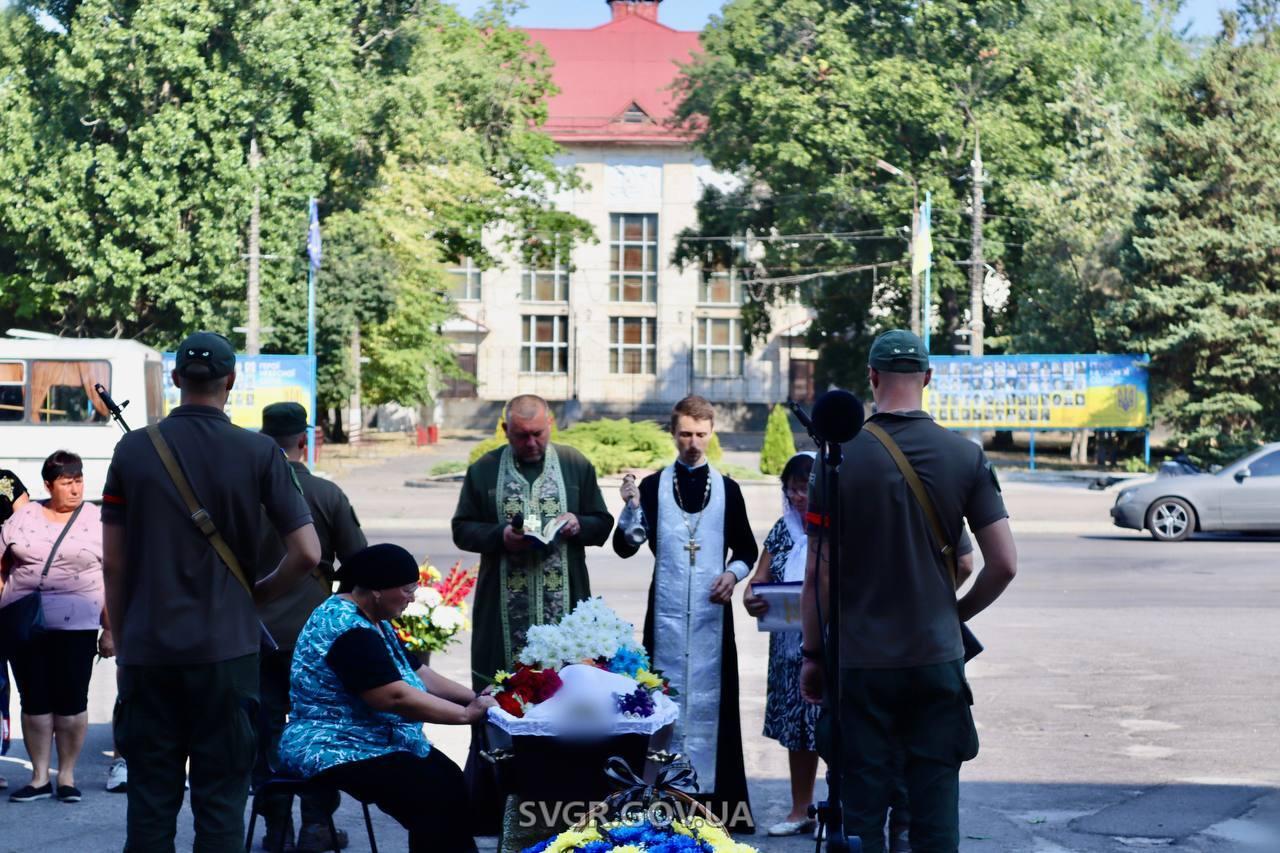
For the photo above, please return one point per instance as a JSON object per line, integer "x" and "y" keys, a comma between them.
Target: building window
{"x": 718, "y": 348}
{"x": 544, "y": 344}
{"x": 635, "y": 114}
{"x": 632, "y": 345}
{"x": 546, "y": 285}
{"x": 464, "y": 281}
{"x": 62, "y": 392}
{"x": 723, "y": 288}
{"x": 13, "y": 387}
{"x": 153, "y": 378}
{"x": 633, "y": 257}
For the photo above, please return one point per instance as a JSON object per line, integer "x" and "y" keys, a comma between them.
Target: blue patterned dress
{"x": 329, "y": 725}
{"x": 788, "y": 718}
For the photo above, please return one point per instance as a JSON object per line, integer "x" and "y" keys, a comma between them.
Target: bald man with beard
{"x": 523, "y": 583}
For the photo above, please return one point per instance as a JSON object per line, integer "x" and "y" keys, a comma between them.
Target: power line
{"x": 796, "y": 279}
{"x": 868, "y": 234}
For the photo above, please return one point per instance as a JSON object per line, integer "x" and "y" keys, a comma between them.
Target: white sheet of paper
{"x": 784, "y": 606}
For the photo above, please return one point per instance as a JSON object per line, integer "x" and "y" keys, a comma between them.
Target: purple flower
{"x": 638, "y": 703}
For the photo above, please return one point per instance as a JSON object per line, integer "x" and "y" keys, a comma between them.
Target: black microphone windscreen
{"x": 837, "y": 416}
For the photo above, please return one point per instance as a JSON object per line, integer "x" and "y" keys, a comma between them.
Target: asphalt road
{"x": 1127, "y": 697}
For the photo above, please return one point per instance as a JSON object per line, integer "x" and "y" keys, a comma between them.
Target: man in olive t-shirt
{"x": 901, "y": 654}
{"x": 186, "y": 631}
{"x": 340, "y": 536}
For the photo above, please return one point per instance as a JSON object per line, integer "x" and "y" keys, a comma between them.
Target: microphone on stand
{"x": 837, "y": 417}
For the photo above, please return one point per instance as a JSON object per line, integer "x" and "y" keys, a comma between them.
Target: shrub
{"x": 739, "y": 472}
{"x": 1135, "y": 465}
{"x": 616, "y": 445}
{"x": 485, "y": 446}
{"x": 610, "y": 445}
{"x": 715, "y": 453}
{"x": 779, "y": 444}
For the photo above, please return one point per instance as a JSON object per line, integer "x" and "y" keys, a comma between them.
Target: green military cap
{"x": 284, "y": 419}
{"x": 899, "y": 351}
{"x": 205, "y": 355}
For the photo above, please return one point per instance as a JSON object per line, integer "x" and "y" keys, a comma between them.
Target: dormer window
{"x": 634, "y": 115}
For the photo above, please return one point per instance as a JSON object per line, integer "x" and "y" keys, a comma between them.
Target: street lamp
{"x": 886, "y": 166}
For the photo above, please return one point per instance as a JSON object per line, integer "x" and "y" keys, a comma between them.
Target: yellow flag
{"x": 922, "y": 249}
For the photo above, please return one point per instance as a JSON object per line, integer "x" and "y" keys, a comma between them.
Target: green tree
{"x": 779, "y": 443}
{"x": 802, "y": 97}
{"x": 1080, "y": 222}
{"x": 1205, "y": 294}
{"x": 125, "y": 184}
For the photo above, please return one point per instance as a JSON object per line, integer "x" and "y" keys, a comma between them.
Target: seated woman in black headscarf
{"x": 359, "y": 702}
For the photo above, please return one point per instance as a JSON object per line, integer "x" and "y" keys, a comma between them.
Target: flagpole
{"x": 313, "y": 252}
{"x": 311, "y": 354}
{"x": 927, "y": 216}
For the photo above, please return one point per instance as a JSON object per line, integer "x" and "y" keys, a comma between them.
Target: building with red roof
{"x": 618, "y": 327}
{"x": 618, "y": 81}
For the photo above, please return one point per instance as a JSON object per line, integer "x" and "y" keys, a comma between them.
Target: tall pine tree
{"x": 1205, "y": 298}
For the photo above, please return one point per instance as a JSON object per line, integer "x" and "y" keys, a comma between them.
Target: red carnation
{"x": 547, "y": 685}
{"x": 509, "y": 703}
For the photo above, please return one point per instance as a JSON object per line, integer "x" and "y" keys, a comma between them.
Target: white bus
{"x": 47, "y": 401}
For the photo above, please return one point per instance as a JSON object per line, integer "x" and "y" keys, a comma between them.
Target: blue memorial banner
{"x": 260, "y": 381}
{"x": 1039, "y": 392}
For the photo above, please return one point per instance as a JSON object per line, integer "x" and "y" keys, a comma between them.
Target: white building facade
{"x": 621, "y": 329}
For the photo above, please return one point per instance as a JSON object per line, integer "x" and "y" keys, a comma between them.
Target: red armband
{"x": 818, "y": 520}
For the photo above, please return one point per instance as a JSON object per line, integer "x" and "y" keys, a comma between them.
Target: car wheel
{"x": 1171, "y": 520}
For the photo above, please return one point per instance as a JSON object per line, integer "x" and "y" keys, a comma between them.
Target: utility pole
{"x": 253, "y": 342}
{"x": 355, "y": 411}
{"x": 977, "y": 268}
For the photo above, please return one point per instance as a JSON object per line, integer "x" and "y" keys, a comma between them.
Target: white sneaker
{"x": 792, "y": 827}
{"x": 118, "y": 777}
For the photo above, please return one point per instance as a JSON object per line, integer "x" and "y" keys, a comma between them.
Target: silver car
{"x": 1244, "y": 496}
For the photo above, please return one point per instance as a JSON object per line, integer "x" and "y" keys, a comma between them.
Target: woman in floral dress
{"x": 788, "y": 718}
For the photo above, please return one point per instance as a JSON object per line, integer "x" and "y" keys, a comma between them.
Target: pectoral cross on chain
{"x": 693, "y": 548}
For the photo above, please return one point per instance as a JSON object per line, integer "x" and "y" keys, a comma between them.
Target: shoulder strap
{"x": 53, "y": 552}
{"x": 199, "y": 516}
{"x": 922, "y": 497}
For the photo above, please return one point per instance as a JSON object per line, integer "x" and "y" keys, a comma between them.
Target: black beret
{"x": 383, "y": 566}
{"x": 280, "y": 420}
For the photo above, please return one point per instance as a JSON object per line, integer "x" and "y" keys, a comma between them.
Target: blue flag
{"x": 313, "y": 236}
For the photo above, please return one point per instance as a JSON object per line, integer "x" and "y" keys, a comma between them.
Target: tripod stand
{"x": 837, "y": 417}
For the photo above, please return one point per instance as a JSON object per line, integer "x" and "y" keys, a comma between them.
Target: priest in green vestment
{"x": 522, "y": 582}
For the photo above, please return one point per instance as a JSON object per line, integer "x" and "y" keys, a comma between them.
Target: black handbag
{"x": 23, "y": 620}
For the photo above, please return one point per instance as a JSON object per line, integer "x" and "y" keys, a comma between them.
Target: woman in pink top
{"x": 52, "y": 671}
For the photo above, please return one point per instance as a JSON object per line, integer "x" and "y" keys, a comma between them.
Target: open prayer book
{"x": 784, "y": 606}
{"x": 548, "y": 533}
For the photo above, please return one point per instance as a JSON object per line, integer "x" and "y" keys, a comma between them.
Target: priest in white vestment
{"x": 695, "y": 521}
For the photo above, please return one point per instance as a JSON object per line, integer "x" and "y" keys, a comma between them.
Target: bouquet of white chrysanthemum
{"x": 591, "y": 632}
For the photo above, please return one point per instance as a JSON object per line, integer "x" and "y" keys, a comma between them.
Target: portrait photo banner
{"x": 260, "y": 381}
{"x": 1038, "y": 392}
